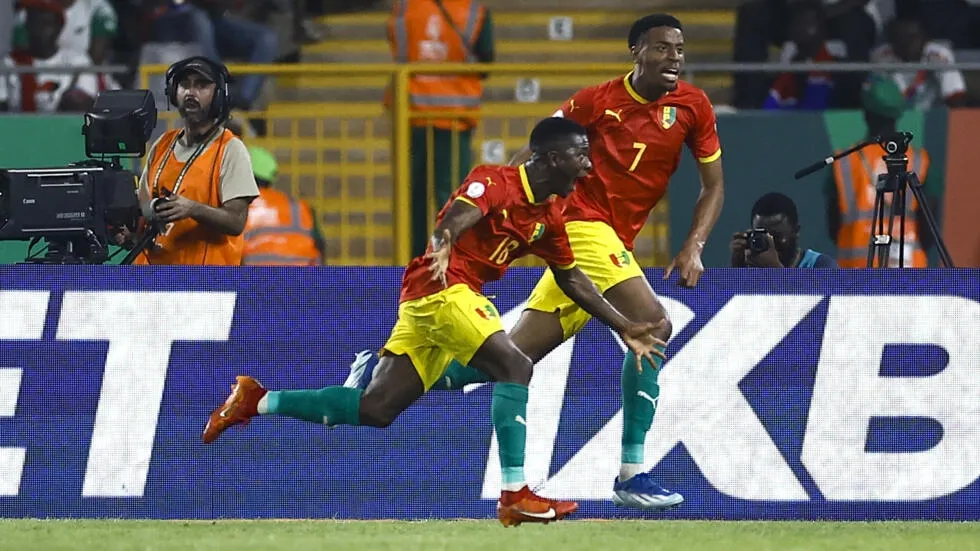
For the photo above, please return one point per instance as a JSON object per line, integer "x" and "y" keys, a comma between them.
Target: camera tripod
{"x": 896, "y": 180}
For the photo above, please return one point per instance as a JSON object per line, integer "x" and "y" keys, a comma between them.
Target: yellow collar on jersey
{"x": 527, "y": 185}
{"x": 632, "y": 91}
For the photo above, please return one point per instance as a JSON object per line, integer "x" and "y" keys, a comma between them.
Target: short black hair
{"x": 644, "y": 24}
{"x": 548, "y": 134}
{"x": 775, "y": 203}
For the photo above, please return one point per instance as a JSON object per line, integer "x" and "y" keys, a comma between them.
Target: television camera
{"x": 78, "y": 210}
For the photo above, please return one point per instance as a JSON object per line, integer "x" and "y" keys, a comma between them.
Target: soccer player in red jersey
{"x": 637, "y": 127}
{"x": 498, "y": 215}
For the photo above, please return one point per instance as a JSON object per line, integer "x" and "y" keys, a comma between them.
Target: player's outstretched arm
{"x": 638, "y": 337}
{"x": 709, "y": 203}
{"x": 706, "y": 210}
{"x": 462, "y": 215}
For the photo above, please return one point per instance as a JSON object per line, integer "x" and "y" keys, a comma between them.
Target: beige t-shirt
{"x": 236, "y": 178}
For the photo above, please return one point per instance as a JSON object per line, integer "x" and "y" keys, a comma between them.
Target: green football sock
{"x": 332, "y": 405}
{"x": 509, "y": 410}
{"x": 458, "y": 375}
{"x": 640, "y": 393}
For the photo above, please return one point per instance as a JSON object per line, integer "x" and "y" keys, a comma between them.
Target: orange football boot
{"x": 239, "y": 408}
{"x": 526, "y": 506}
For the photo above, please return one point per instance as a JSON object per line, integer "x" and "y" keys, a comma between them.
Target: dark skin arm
{"x": 706, "y": 212}
{"x": 578, "y": 287}
{"x": 228, "y": 219}
{"x": 460, "y": 217}
{"x": 637, "y": 336}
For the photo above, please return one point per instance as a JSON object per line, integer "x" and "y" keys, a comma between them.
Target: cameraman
{"x": 198, "y": 183}
{"x": 773, "y": 240}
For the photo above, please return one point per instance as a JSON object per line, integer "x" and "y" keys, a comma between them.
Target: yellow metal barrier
{"x": 353, "y": 161}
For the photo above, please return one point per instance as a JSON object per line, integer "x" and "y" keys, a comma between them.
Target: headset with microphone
{"x": 221, "y": 103}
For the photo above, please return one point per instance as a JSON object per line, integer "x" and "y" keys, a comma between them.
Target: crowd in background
{"x": 886, "y": 31}
{"x": 129, "y": 32}
{"x": 56, "y": 33}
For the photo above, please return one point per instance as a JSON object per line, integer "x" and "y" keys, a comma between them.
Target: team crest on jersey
{"x": 537, "y": 233}
{"x": 668, "y": 116}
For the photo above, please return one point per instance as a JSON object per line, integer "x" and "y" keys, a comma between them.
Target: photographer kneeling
{"x": 773, "y": 240}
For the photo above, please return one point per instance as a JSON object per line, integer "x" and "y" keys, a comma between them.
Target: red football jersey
{"x": 513, "y": 225}
{"x": 636, "y": 147}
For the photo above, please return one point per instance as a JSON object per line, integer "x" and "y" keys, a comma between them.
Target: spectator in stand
{"x": 760, "y": 24}
{"x": 221, "y": 36}
{"x": 807, "y": 43}
{"x": 907, "y": 42}
{"x": 955, "y": 21}
{"x": 90, "y": 27}
{"x": 6, "y": 26}
{"x": 44, "y": 91}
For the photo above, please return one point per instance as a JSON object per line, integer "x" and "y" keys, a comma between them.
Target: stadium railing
{"x": 352, "y": 161}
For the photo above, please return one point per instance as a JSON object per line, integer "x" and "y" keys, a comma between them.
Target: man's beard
{"x": 198, "y": 117}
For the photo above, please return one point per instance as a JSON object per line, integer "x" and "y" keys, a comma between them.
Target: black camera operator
{"x": 773, "y": 239}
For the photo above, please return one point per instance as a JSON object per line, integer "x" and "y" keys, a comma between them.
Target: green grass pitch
{"x": 473, "y": 535}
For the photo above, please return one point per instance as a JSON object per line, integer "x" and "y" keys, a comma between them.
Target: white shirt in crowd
{"x": 925, "y": 89}
{"x": 76, "y": 35}
{"x": 50, "y": 86}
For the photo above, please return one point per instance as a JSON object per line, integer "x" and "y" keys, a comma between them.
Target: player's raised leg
{"x": 455, "y": 375}
{"x": 396, "y": 386}
{"x": 640, "y": 390}
{"x": 536, "y": 334}
{"x": 505, "y": 363}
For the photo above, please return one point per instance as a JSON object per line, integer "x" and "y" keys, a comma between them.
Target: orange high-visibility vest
{"x": 187, "y": 241}
{"x": 279, "y": 232}
{"x": 419, "y": 33}
{"x": 855, "y": 176}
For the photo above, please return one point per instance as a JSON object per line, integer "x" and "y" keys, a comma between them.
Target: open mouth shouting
{"x": 671, "y": 74}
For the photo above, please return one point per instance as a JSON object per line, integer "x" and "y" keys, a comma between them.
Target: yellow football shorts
{"x": 602, "y": 256}
{"x": 432, "y": 330}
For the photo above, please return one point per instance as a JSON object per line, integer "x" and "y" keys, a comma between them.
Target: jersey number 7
{"x": 640, "y": 147}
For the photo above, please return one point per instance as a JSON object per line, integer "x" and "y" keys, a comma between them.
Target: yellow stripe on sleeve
{"x": 713, "y": 157}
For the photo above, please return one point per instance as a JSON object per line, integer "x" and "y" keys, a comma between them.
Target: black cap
{"x": 200, "y": 67}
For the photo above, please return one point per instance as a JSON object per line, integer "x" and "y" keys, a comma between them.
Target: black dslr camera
{"x": 758, "y": 240}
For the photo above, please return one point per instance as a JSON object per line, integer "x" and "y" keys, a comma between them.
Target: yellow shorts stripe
{"x": 602, "y": 256}
{"x": 432, "y": 330}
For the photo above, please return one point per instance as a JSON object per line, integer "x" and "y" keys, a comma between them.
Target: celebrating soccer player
{"x": 637, "y": 126}
{"x": 498, "y": 215}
